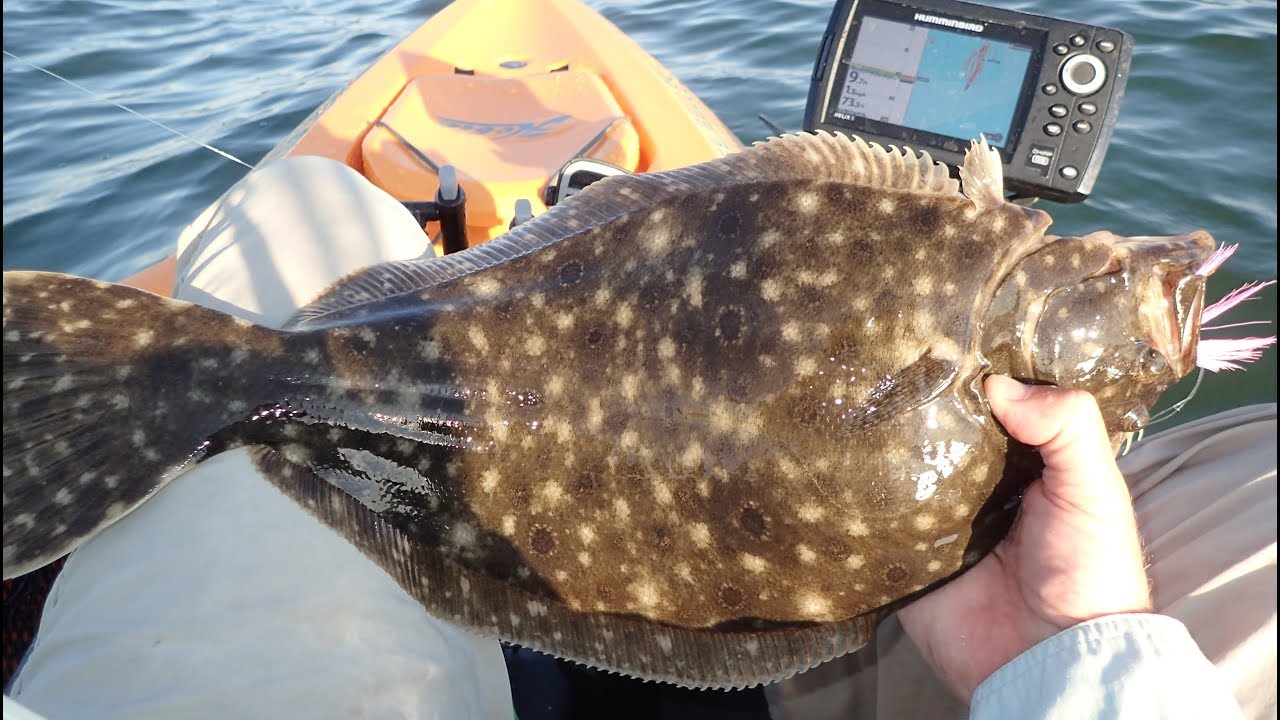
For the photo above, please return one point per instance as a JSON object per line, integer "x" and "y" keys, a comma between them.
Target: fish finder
{"x": 936, "y": 74}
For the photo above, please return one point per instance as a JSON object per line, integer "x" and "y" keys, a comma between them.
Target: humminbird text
{"x": 948, "y": 22}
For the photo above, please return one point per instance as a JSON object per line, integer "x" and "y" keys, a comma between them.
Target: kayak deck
{"x": 506, "y": 92}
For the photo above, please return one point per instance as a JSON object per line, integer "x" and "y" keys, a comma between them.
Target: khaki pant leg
{"x": 1205, "y": 494}
{"x": 220, "y": 597}
{"x": 1205, "y": 497}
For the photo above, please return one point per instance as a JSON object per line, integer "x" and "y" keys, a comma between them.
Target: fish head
{"x": 1117, "y": 317}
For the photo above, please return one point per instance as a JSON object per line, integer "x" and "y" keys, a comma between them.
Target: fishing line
{"x": 1173, "y": 409}
{"x": 224, "y": 154}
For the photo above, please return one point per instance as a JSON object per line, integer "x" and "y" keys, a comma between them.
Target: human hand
{"x": 1072, "y": 555}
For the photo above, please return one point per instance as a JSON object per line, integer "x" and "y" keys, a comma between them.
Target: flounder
{"x": 705, "y": 426}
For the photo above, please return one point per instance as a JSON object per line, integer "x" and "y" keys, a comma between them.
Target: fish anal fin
{"x": 623, "y": 644}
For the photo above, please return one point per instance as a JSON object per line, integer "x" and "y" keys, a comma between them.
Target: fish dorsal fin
{"x": 982, "y": 175}
{"x": 818, "y": 156}
{"x": 830, "y": 157}
{"x": 377, "y": 282}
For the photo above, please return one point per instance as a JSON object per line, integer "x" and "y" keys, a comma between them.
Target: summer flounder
{"x": 705, "y": 426}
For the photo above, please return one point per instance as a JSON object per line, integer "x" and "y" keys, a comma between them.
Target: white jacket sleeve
{"x": 1119, "y": 666}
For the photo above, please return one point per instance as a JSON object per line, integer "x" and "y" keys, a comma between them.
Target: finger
{"x": 1067, "y": 428}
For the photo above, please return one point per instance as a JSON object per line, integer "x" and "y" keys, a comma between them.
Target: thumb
{"x": 1067, "y": 428}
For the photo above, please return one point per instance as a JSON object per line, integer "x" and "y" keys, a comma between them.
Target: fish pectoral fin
{"x": 903, "y": 391}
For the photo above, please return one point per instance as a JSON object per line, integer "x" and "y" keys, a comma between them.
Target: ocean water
{"x": 92, "y": 190}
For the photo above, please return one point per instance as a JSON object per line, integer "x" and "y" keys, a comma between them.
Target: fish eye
{"x": 1152, "y": 361}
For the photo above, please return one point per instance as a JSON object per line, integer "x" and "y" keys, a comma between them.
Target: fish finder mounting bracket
{"x": 936, "y": 74}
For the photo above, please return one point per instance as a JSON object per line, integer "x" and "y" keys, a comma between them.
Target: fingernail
{"x": 1000, "y": 387}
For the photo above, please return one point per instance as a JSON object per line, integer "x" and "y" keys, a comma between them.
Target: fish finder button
{"x": 1083, "y": 74}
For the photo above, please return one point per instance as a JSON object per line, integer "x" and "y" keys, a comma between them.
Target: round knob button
{"x": 1083, "y": 74}
{"x": 1079, "y": 40}
{"x": 1058, "y": 111}
{"x": 1052, "y": 129}
{"x": 1069, "y": 172}
{"x": 1062, "y": 48}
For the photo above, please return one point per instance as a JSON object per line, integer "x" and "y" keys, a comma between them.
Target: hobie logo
{"x": 500, "y": 131}
{"x": 948, "y": 22}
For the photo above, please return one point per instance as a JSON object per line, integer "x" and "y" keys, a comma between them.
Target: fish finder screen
{"x": 935, "y": 80}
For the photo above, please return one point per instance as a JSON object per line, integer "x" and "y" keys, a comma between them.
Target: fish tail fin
{"x": 98, "y": 405}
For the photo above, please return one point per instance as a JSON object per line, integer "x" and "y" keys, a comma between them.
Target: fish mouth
{"x": 1172, "y": 302}
{"x": 1176, "y": 333}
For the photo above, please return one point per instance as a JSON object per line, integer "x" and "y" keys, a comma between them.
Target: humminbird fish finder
{"x": 936, "y": 74}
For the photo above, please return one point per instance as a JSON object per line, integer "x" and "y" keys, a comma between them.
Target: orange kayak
{"x": 506, "y": 92}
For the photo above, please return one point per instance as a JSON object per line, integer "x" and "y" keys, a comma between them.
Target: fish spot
{"x": 805, "y": 366}
{"x": 645, "y": 593}
{"x": 854, "y": 562}
{"x": 662, "y": 492}
{"x": 477, "y": 338}
{"x": 552, "y": 492}
{"x": 508, "y": 525}
{"x": 623, "y": 315}
{"x": 534, "y": 345}
{"x": 701, "y": 534}
{"x": 754, "y": 522}
{"x": 896, "y": 574}
{"x": 595, "y": 337}
{"x": 857, "y": 528}
{"x": 665, "y": 643}
{"x": 814, "y": 605}
{"x": 806, "y": 554}
{"x": 693, "y": 288}
{"x": 542, "y": 540}
{"x": 569, "y": 273}
{"x": 729, "y": 324}
{"x": 729, "y": 223}
{"x": 666, "y": 348}
{"x": 753, "y": 563}
{"x": 730, "y": 597}
{"x": 771, "y": 289}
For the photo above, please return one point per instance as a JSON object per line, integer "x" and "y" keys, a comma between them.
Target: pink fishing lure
{"x": 1217, "y": 354}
